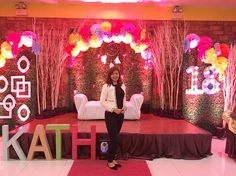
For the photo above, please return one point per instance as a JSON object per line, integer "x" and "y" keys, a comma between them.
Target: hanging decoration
{"x": 2, "y": 61}
{"x": 203, "y": 102}
{"x": 107, "y": 32}
{"x": 111, "y": 65}
{"x": 215, "y": 55}
{"x": 9, "y": 48}
{"x": 117, "y": 60}
{"x": 224, "y": 48}
{"x": 14, "y": 39}
{"x": 191, "y": 41}
{"x": 28, "y": 38}
{"x": 104, "y": 59}
{"x": 210, "y": 56}
{"x": 204, "y": 44}
{"x": 6, "y": 50}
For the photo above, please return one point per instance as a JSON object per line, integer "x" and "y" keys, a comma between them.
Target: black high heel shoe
{"x": 112, "y": 167}
{"x": 117, "y": 164}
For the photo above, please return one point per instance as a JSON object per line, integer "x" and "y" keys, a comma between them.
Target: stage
{"x": 148, "y": 138}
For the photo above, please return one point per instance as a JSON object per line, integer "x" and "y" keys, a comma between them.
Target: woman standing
{"x": 113, "y": 100}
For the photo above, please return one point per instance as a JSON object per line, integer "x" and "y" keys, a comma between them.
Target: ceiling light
{"x": 121, "y": 1}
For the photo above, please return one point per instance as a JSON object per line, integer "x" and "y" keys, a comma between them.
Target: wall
{"x": 219, "y": 31}
{"x": 223, "y": 31}
{"x": 147, "y": 11}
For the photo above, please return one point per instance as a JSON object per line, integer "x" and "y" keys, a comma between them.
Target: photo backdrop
{"x": 201, "y": 109}
{"x": 89, "y": 72}
{"x": 86, "y": 73}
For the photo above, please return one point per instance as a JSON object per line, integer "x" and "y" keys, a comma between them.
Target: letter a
{"x": 39, "y": 133}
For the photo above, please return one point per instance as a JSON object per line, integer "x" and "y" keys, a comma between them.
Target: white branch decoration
{"x": 50, "y": 64}
{"x": 168, "y": 49}
{"x": 230, "y": 81}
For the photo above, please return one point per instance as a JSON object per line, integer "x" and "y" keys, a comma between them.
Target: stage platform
{"x": 148, "y": 138}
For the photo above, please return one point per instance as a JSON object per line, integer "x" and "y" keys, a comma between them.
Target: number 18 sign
{"x": 209, "y": 85}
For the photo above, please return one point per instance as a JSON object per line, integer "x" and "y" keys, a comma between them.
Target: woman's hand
{"x": 123, "y": 110}
{"x": 117, "y": 111}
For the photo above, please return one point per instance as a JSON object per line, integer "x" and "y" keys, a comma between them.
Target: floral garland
{"x": 14, "y": 41}
{"x": 215, "y": 55}
{"x": 106, "y": 32}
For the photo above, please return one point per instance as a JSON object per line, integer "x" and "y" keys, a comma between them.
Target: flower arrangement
{"x": 107, "y": 32}
{"x": 14, "y": 41}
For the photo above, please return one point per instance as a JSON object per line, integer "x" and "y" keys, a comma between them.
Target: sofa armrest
{"x": 80, "y": 101}
{"x": 137, "y": 101}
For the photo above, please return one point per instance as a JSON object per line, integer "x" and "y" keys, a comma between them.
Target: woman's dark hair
{"x": 109, "y": 80}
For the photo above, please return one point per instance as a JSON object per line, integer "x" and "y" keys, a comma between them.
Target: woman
{"x": 113, "y": 100}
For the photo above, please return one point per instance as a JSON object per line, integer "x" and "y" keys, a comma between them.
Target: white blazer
{"x": 108, "y": 97}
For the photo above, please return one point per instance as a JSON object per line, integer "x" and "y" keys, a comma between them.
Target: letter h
{"x": 76, "y": 142}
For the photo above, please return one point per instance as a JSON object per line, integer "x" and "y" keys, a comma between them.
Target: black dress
{"x": 114, "y": 123}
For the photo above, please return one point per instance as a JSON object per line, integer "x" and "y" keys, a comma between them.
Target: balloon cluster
{"x": 14, "y": 41}
{"x": 215, "y": 55}
{"x": 106, "y": 32}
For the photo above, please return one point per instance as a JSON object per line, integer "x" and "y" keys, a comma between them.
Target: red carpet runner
{"x": 99, "y": 168}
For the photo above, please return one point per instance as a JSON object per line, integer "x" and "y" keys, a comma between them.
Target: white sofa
{"x": 89, "y": 110}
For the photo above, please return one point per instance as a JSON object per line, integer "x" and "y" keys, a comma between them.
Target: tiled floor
{"x": 216, "y": 165}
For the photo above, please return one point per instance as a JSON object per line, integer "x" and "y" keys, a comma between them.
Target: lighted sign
{"x": 193, "y": 70}
{"x": 209, "y": 85}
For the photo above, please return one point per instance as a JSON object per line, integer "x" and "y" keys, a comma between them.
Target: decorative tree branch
{"x": 50, "y": 64}
{"x": 167, "y": 49}
{"x": 230, "y": 90}
{"x": 41, "y": 69}
{"x": 230, "y": 81}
